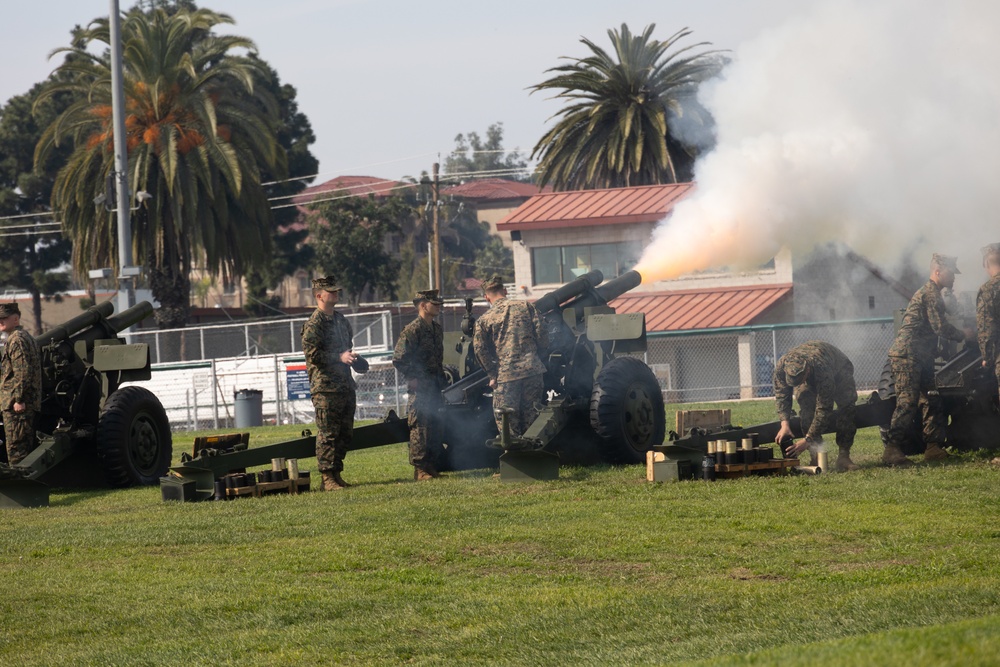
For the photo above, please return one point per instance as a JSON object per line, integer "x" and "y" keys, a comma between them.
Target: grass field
{"x": 877, "y": 567}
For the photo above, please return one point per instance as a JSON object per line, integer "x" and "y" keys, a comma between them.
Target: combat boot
{"x": 424, "y": 474}
{"x": 934, "y": 452}
{"x": 893, "y": 456}
{"x": 844, "y": 462}
{"x": 332, "y": 481}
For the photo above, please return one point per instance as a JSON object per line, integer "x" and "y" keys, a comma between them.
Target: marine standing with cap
{"x": 818, "y": 375}
{"x": 20, "y": 384}
{"x": 988, "y": 310}
{"x": 911, "y": 359}
{"x": 327, "y": 340}
{"x": 419, "y": 356}
{"x": 509, "y": 340}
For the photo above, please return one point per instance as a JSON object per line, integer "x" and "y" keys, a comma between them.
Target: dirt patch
{"x": 744, "y": 574}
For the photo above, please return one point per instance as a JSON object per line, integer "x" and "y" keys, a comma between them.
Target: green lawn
{"x": 881, "y": 566}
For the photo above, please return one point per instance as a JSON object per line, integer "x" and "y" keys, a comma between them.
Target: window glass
{"x": 628, "y": 255}
{"x": 576, "y": 261}
{"x": 605, "y": 258}
{"x": 546, "y": 265}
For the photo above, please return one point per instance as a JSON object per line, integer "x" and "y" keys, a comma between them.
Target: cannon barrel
{"x": 99, "y": 321}
{"x": 573, "y": 288}
{"x": 615, "y": 288}
{"x": 92, "y": 316}
{"x": 604, "y": 293}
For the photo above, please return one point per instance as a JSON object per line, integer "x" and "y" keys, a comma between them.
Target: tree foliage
{"x": 348, "y": 236}
{"x": 31, "y": 249}
{"x": 474, "y": 157}
{"x": 198, "y": 132}
{"x": 615, "y": 129}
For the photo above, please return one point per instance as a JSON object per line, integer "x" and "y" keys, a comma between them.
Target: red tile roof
{"x": 353, "y": 185}
{"x": 582, "y": 208}
{"x": 485, "y": 189}
{"x": 684, "y": 310}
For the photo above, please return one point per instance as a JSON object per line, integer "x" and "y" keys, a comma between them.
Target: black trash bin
{"x": 249, "y": 407}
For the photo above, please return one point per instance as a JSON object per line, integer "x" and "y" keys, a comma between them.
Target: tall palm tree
{"x": 198, "y": 135}
{"x": 614, "y": 132}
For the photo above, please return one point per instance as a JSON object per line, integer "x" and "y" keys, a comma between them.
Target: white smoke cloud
{"x": 874, "y": 123}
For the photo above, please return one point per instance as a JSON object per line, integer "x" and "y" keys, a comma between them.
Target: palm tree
{"x": 199, "y": 132}
{"x": 615, "y": 132}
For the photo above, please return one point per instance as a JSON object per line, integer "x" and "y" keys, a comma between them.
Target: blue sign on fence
{"x": 297, "y": 381}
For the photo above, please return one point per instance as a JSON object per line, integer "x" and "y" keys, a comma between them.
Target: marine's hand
{"x": 785, "y": 432}
{"x": 797, "y": 447}
{"x": 348, "y": 357}
{"x": 19, "y": 407}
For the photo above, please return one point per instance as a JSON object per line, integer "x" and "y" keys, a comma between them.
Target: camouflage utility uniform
{"x": 988, "y": 323}
{"x": 508, "y": 341}
{"x": 828, "y": 380}
{"x": 911, "y": 358}
{"x": 419, "y": 356}
{"x": 20, "y": 382}
{"x": 324, "y": 339}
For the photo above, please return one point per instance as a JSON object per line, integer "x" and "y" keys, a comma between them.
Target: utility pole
{"x": 126, "y": 272}
{"x": 437, "y": 232}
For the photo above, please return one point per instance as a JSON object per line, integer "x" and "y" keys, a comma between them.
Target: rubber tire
{"x": 626, "y": 411}
{"x": 134, "y": 444}
{"x": 913, "y": 443}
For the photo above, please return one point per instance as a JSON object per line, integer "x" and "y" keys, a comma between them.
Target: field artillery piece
{"x": 90, "y": 427}
{"x": 603, "y": 406}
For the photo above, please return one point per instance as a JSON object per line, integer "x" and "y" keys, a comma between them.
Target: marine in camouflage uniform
{"x": 419, "y": 356}
{"x": 911, "y": 360}
{"x": 327, "y": 340}
{"x": 817, "y": 375}
{"x": 20, "y": 384}
{"x": 988, "y": 310}
{"x": 509, "y": 340}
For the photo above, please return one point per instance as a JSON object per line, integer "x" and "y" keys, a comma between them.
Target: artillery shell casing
{"x": 293, "y": 469}
{"x": 747, "y": 443}
{"x": 711, "y": 447}
{"x": 730, "y": 447}
{"x": 822, "y": 461}
{"x": 278, "y": 464}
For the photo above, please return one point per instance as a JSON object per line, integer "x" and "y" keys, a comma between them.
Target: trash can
{"x": 249, "y": 407}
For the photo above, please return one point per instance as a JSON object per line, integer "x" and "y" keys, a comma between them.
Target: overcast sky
{"x": 386, "y": 84}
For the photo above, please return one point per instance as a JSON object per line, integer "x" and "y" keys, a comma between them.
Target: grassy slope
{"x": 874, "y": 567}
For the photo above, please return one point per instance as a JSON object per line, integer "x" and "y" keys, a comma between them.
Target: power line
{"x": 5, "y": 235}
{"x": 26, "y": 215}
{"x": 37, "y": 224}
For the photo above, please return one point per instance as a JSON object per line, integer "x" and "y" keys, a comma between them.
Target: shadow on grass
{"x": 67, "y": 497}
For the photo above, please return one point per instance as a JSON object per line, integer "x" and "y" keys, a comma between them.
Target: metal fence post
{"x": 201, "y": 331}
{"x": 215, "y": 397}
{"x": 277, "y": 393}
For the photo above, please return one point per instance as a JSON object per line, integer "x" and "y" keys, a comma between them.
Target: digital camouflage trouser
{"x": 913, "y": 381}
{"x": 424, "y": 420}
{"x": 335, "y": 428}
{"x": 19, "y": 431}
{"x": 521, "y": 396}
{"x": 845, "y": 398}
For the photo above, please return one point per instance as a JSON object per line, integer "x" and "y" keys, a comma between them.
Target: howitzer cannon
{"x": 88, "y": 423}
{"x": 603, "y": 407}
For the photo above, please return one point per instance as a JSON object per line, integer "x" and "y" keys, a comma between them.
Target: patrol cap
{"x": 493, "y": 284}
{"x": 430, "y": 295}
{"x": 990, "y": 250}
{"x": 8, "y": 309}
{"x": 327, "y": 284}
{"x": 945, "y": 262}
{"x": 795, "y": 368}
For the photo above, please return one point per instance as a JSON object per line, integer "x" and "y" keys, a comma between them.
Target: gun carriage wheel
{"x": 626, "y": 410}
{"x": 134, "y": 443}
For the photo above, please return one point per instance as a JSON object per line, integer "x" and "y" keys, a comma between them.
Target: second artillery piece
{"x": 90, "y": 428}
{"x": 604, "y": 405}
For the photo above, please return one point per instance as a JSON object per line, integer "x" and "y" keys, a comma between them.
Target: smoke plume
{"x": 874, "y": 123}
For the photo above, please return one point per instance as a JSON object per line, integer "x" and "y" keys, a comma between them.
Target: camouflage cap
{"x": 946, "y": 262}
{"x": 493, "y": 284}
{"x": 8, "y": 309}
{"x": 327, "y": 284}
{"x": 991, "y": 249}
{"x": 430, "y": 295}
{"x": 796, "y": 366}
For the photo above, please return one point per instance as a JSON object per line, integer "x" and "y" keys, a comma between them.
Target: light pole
{"x": 126, "y": 272}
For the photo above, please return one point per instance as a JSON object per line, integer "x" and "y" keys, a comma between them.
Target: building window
{"x": 305, "y": 282}
{"x": 561, "y": 264}
{"x": 871, "y": 303}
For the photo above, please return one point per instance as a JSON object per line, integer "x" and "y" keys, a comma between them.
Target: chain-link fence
{"x": 738, "y": 363}
{"x": 691, "y": 367}
{"x": 372, "y": 332}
